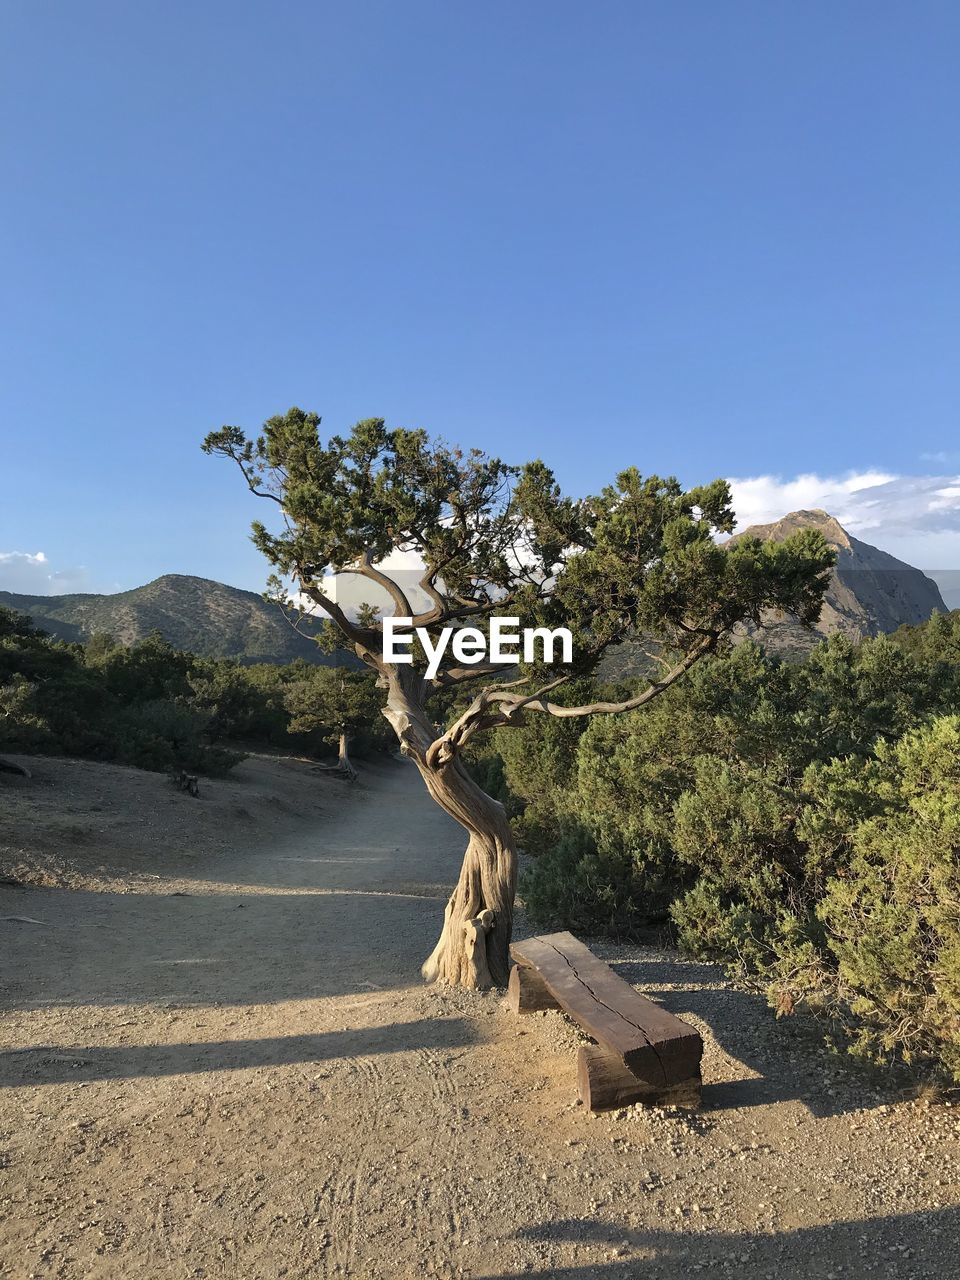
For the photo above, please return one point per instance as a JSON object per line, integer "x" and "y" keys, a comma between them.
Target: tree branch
{"x": 510, "y": 706}
{"x": 356, "y": 635}
{"x": 393, "y": 589}
{"x": 631, "y": 704}
{"x": 458, "y": 675}
{"x": 252, "y": 483}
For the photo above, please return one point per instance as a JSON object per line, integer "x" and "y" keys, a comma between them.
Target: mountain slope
{"x": 195, "y": 614}
{"x": 870, "y": 591}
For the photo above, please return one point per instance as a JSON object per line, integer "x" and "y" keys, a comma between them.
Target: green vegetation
{"x": 800, "y": 823}
{"x": 640, "y": 557}
{"x": 156, "y": 707}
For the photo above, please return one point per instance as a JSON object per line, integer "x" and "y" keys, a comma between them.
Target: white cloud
{"x": 32, "y": 574}
{"x": 350, "y": 590}
{"x": 916, "y": 518}
{"x": 405, "y": 568}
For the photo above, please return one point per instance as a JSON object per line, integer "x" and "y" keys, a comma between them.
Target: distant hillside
{"x": 870, "y": 592}
{"x": 195, "y": 614}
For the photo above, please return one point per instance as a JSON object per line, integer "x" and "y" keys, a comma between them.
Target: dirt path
{"x": 233, "y": 1071}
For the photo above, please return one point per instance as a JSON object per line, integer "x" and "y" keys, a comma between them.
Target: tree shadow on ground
{"x": 922, "y": 1246}
{"x": 76, "y": 1064}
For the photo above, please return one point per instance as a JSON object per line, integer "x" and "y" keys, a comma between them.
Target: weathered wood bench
{"x": 642, "y": 1052}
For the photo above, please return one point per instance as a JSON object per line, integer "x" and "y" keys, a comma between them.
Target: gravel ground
{"x": 216, "y": 1060}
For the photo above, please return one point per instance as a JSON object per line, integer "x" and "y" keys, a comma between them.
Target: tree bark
{"x": 487, "y": 884}
{"x": 343, "y": 757}
{"x": 474, "y": 945}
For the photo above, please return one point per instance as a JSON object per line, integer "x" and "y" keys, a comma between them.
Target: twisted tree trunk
{"x": 474, "y": 945}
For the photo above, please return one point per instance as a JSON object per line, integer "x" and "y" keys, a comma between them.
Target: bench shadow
{"x": 852, "y": 1248}
{"x": 76, "y": 1064}
{"x": 789, "y": 1057}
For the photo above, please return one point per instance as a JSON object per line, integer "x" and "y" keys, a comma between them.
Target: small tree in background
{"x": 338, "y": 703}
{"x": 638, "y": 558}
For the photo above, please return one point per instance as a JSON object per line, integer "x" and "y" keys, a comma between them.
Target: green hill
{"x": 196, "y": 614}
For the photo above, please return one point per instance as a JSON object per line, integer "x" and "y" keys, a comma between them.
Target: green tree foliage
{"x": 331, "y": 703}
{"x": 156, "y": 707}
{"x": 537, "y": 767}
{"x": 47, "y": 695}
{"x": 795, "y": 821}
{"x": 936, "y": 641}
{"x": 149, "y": 671}
{"x": 639, "y": 557}
{"x": 244, "y": 704}
{"x": 892, "y": 919}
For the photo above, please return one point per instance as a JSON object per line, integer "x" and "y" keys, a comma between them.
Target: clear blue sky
{"x": 702, "y": 238}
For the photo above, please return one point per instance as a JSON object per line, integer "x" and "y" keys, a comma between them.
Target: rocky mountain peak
{"x": 870, "y": 591}
{"x": 815, "y": 518}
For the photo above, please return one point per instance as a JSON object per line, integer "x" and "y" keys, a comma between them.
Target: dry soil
{"x": 217, "y": 1060}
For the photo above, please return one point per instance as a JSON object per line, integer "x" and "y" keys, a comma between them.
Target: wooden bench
{"x": 642, "y": 1052}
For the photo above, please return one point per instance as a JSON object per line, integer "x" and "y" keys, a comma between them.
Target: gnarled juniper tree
{"x": 639, "y": 558}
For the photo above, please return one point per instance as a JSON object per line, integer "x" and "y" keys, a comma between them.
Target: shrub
{"x": 163, "y": 735}
{"x": 892, "y": 918}
{"x": 573, "y": 887}
{"x": 713, "y": 925}
{"x": 108, "y": 703}
{"x": 799, "y": 823}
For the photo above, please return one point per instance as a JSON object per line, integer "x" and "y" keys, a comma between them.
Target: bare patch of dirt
{"x": 217, "y": 1060}
{"x": 78, "y": 824}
